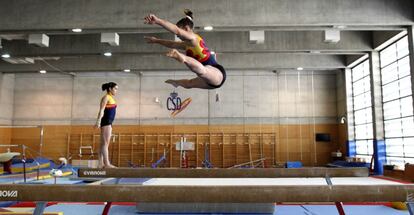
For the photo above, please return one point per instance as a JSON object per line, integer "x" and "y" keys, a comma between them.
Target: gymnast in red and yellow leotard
{"x": 198, "y": 57}
{"x": 106, "y": 116}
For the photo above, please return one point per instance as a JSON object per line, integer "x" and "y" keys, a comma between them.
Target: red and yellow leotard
{"x": 203, "y": 55}
{"x": 110, "y": 111}
{"x": 200, "y": 52}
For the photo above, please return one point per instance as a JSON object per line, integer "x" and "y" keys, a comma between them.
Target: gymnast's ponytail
{"x": 108, "y": 86}
{"x": 187, "y": 20}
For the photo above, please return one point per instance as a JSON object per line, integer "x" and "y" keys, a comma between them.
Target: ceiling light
{"x": 339, "y": 26}
{"x": 208, "y": 28}
{"x": 108, "y": 54}
{"x": 77, "y": 30}
{"x": 5, "y": 56}
{"x": 299, "y": 68}
{"x": 157, "y": 100}
{"x": 42, "y": 71}
{"x": 212, "y": 52}
{"x": 127, "y": 70}
{"x": 315, "y": 52}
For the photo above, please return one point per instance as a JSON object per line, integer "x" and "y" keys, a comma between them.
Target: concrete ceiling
{"x": 293, "y": 38}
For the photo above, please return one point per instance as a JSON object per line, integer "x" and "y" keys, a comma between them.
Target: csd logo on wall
{"x": 175, "y": 104}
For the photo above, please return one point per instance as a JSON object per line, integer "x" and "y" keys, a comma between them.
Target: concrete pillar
{"x": 1, "y": 84}
{"x": 410, "y": 32}
{"x": 350, "y": 143}
{"x": 377, "y": 114}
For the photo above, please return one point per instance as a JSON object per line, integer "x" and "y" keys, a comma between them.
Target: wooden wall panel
{"x": 226, "y": 145}
{"x": 342, "y": 137}
{"x": 5, "y": 138}
{"x": 31, "y": 138}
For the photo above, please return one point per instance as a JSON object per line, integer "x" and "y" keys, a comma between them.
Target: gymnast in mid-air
{"x": 197, "y": 57}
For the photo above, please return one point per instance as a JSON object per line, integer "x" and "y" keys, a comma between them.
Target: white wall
{"x": 246, "y": 97}
{"x": 6, "y": 98}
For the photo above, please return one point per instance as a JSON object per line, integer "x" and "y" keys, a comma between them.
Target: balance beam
{"x": 207, "y": 194}
{"x": 223, "y": 173}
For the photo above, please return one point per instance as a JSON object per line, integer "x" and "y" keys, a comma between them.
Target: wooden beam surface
{"x": 207, "y": 194}
{"x": 223, "y": 173}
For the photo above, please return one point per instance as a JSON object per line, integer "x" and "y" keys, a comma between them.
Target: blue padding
{"x": 350, "y": 148}
{"x": 59, "y": 180}
{"x": 7, "y": 204}
{"x": 294, "y": 164}
{"x": 340, "y": 163}
{"x": 30, "y": 162}
{"x": 379, "y": 156}
{"x": 154, "y": 165}
{"x": 78, "y": 209}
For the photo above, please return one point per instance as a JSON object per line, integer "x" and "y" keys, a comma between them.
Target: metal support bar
{"x": 410, "y": 207}
{"x": 109, "y": 204}
{"x": 338, "y": 205}
{"x": 410, "y": 203}
{"x": 340, "y": 208}
{"x": 40, "y": 208}
{"x": 9, "y": 145}
{"x": 106, "y": 208}
{"x": 254, "y": 163}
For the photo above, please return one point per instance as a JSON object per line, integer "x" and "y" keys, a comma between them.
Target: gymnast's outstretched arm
{"x": 167, "y": 43}
{"x": 152, "y": 19}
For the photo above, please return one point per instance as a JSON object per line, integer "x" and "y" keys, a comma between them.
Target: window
{"x": 397, "y": 103}
{"x": 362, "y": 109}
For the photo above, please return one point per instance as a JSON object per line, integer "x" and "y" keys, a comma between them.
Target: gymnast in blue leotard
{"x": 106, "y": 116}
